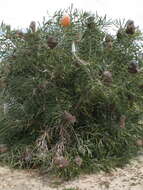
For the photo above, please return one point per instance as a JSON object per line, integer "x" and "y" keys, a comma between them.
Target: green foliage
{"x": 71, "y": 111}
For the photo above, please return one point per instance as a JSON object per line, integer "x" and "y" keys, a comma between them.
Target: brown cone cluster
{"x": 26, "y": 156}
{"x": 69, "y": 117}
{"x": 33, "y": 26}
{"x": 120, "y": 33}
{"x": 91, "y": 22}
{"x": 109, "y": 42}
{"x": 130, "y": 27}
{"x": 123, "y": 121}
{"x": 61, "y": 162}
{"x": 3, "y": 83}
{"x": 133, "y": 67}
{"x": 52, "y": 42}
{"x": 78, "y": 160}
{"x": 128, "y": 30}
{"x": 139, "y": 142}
{"x": 107, "y": 77}
{"x": 3, "y": 148}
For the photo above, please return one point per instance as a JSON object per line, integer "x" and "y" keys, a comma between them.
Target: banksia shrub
{"x": 72, "y": 101}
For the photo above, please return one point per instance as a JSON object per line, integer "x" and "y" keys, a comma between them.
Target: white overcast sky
{"x": 19, "y": 13}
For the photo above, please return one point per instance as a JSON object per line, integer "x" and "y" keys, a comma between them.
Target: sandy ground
{"x": 129, "y": 178}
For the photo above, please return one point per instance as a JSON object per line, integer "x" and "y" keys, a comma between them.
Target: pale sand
{"x": 129, "y": 178}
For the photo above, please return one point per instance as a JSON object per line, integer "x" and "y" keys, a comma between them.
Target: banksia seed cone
{"x": 133, "y": 67}
{"x": 108, "y": 38}
{"x": 26, "y": 156}
{"x": 19, "y": 34}
{"x": 78, "y": 161}
{"x": 78, "y": 37}
{"x": 33, "y": 26}
{"x": 52, "y": 42}
{"x": 122, "y": 121}
{"x": 3, "y": 83}
{"x": 107, "y": 77}
{"x": 3, "y": 148}
{"x": 61, "y": 162}
{"x": 43, "y": 85}
{"x": 69, "y": 117}
{"x": 109, "y": 42}
{"x": 130, "y": 28}
{"x": 139, "y": 142}
{"x": 120, "y": 33}
{"x": 91, "y": 22}
{"x": 109, "y": 45}
{"x": 112, "y": 107}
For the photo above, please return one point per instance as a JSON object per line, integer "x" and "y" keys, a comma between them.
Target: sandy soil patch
{"x": 129, "y": 178}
